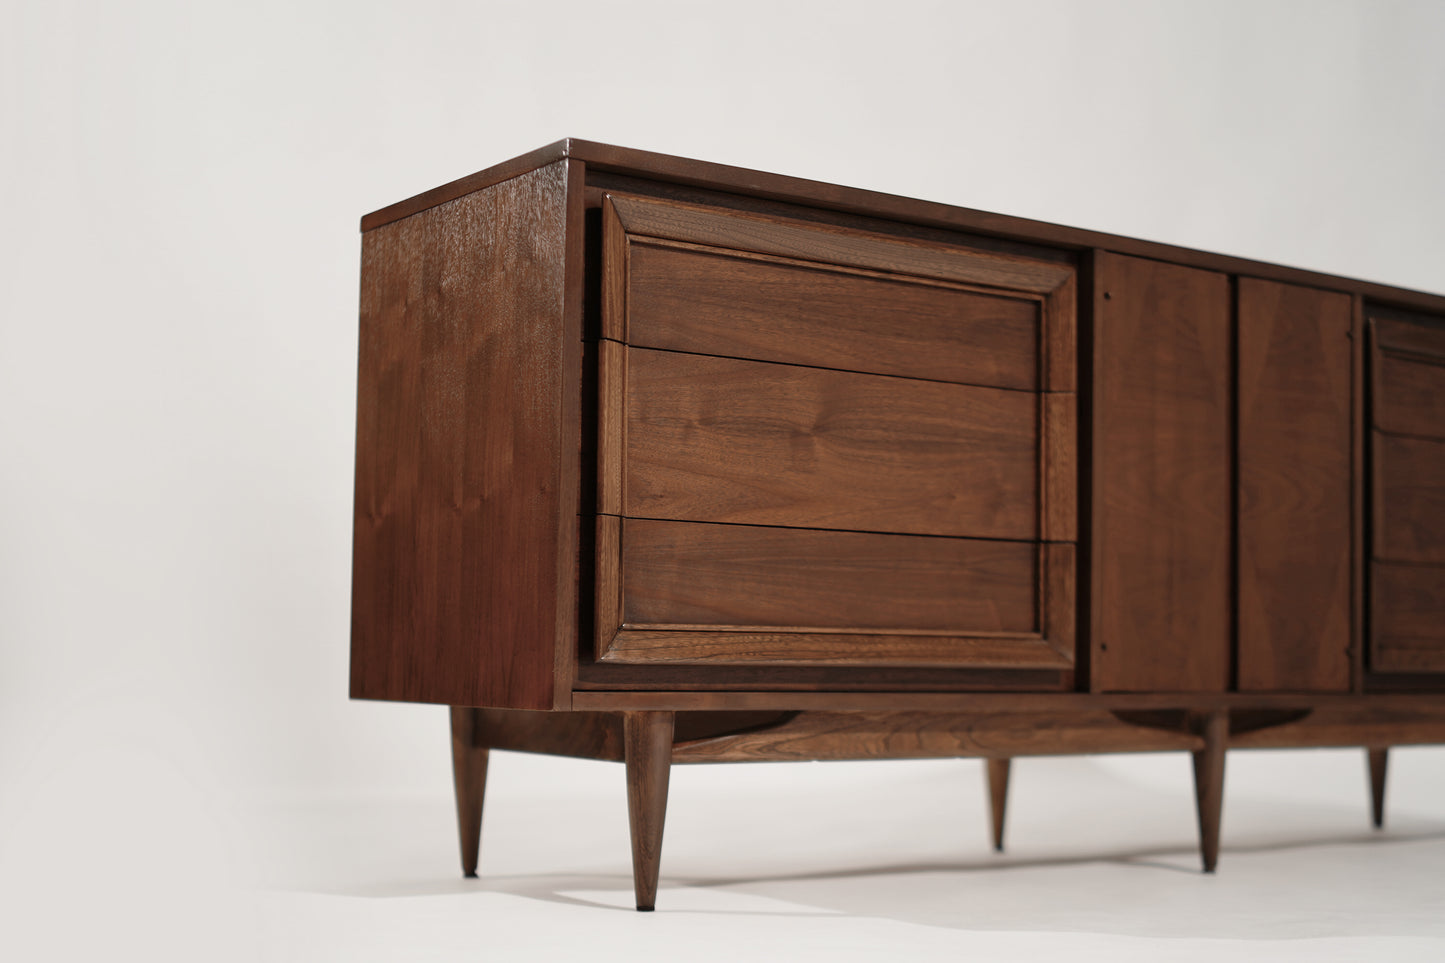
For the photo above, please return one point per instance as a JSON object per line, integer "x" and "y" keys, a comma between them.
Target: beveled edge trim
{"x": 830, "y": 244}
{"x": 1058, "y": 481}
{"x": 611, "y": 426}
{"x": 619, "y": 642}
{"x": 803, "y": 648}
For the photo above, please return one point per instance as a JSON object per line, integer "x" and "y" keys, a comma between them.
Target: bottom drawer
{"x": 1407, "y": 607}
{"x": 684, "y": 592}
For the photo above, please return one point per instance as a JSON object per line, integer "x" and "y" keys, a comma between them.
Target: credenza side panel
{"x": 1294, "y": 488}
{"x": 461, "y": 514}
{"x": 1161, "y": 477}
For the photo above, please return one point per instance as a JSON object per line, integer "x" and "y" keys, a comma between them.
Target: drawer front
{"x": 1410, "y": 499}
{"x": 721, "y": 440}
{"x": 1410, "y": 399}
{"x": 738, "y": 594}
{"x": 714, "y": 302}
{"x": 690, "y": 278}
{"x": 825, "y": 446}
{"x": 1408, "y": 618}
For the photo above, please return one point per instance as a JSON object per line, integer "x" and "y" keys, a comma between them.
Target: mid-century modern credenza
{"x": 661, "y": 461}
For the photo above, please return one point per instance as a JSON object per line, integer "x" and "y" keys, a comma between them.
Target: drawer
{"x": 1408, "y": 377}
{"x": 688, "y": 278}
{"x": 685, "y": 592}
{"x": 1407, "y": 618}
{"x": 715, "y": 302}
{"x": 723, "y": 440}
{"x": 1410, "y": 395}
{"x": 1409, "y": 499}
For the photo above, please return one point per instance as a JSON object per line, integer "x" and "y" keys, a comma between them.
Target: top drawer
{"x": 687, "y": 278}
{"x": 1409, "y": 378}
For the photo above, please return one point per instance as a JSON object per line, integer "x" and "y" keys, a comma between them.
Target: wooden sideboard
{"x": 660, "y": 461}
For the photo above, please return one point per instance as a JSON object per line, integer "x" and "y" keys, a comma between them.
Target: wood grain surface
{"x": 1371, "y": 722}
{"x": 997, "y": 775}
{"x": 827, "y": 244}
{"x": 723, "y": 440}
{"x": 1294, "y": 488}
{"x": 647, "y": 746}
{"x": 1161, "y": 477}
{"x": 469, "y": 780}
{"x": 460, "y": 453}
{"x": 1407, "y": 614}
{"x": 1409, "y": 394}
{"x": 1409, "y": 493}
{"x": 708, "y": 301}
{"x": 1209, "y": 784}
{"x": 743, "y": 576}
{"x": 924, "y": 735}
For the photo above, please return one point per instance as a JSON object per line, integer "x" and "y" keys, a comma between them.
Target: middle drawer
{"x": 712, "y": 439}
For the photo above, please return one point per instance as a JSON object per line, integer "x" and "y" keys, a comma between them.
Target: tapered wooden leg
{"x": 469, "y": 772}
{"x": 998, "y": 797}
{"x": 1209, "y": 784}
{"x": 1378, "y": 760}
{"x": 647, "y": 747}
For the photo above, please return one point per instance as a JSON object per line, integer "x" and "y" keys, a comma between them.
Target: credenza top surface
{"x": 598, "y": 157}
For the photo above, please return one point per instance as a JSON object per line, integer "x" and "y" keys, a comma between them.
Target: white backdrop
{"x": 182, "y": 185}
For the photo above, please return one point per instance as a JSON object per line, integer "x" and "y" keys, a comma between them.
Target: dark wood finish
{"x": 1209, "y": 784}
{"x": 866, "y": 701}
{"x": 1359, "y": 507}
{"x": 1410, "y": 394}
{"x": 583, "y": 735}
{"x": 690, "y": 575}
{"x": 647, "y": 741}
{"x": 461, "y": 455}
{"x": 1059, "y": 467}
{"x": 1412, "y": 335}
{"x": 1407, "y": 617}
{"x": 843, "y": 247}
{"x": 614, "y": 676}
{"x": 1161, "y": 477}
{"x": 1377, "y": 760}
{"x": 1294, "y": 488}
{"x": 998, "y": 773}
{"x": 1351, "y": 722}
{"x": 807, "y": 466}
{"x": 702, "y": 300}
{"x": 722, "y": 440}
{"x": 1407, "y": 454}
{"x": 738, "y": 594}
{"x": 1409, "y": 486}
{"x": 605, "y": 160}
{"x": 814, "y": 736}
{"x": 469, "y": 777}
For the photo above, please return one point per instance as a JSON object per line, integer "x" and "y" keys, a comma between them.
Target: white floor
{"x": 873, "y": 861}
{"x": 113, "y": 859}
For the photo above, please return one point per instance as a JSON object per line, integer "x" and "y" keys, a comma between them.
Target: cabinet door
{"x": 1407, "y": 515}
{"x": 1161, "y": 477}
{"x": 827, "y": 446}
{"x": 1294, "y": 488}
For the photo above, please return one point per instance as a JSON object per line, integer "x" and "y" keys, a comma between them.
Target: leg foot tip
{"x": 469, "y": 874}
{"x": 644, "y": 909}
{"x": 998, "y": 847}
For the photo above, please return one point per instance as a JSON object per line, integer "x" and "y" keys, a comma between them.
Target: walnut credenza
{"x": 660, "y": 461}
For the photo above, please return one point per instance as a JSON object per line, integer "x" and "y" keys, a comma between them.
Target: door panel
{"x": 1161, "y": 477}
{"x": 1294, "y": 488}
